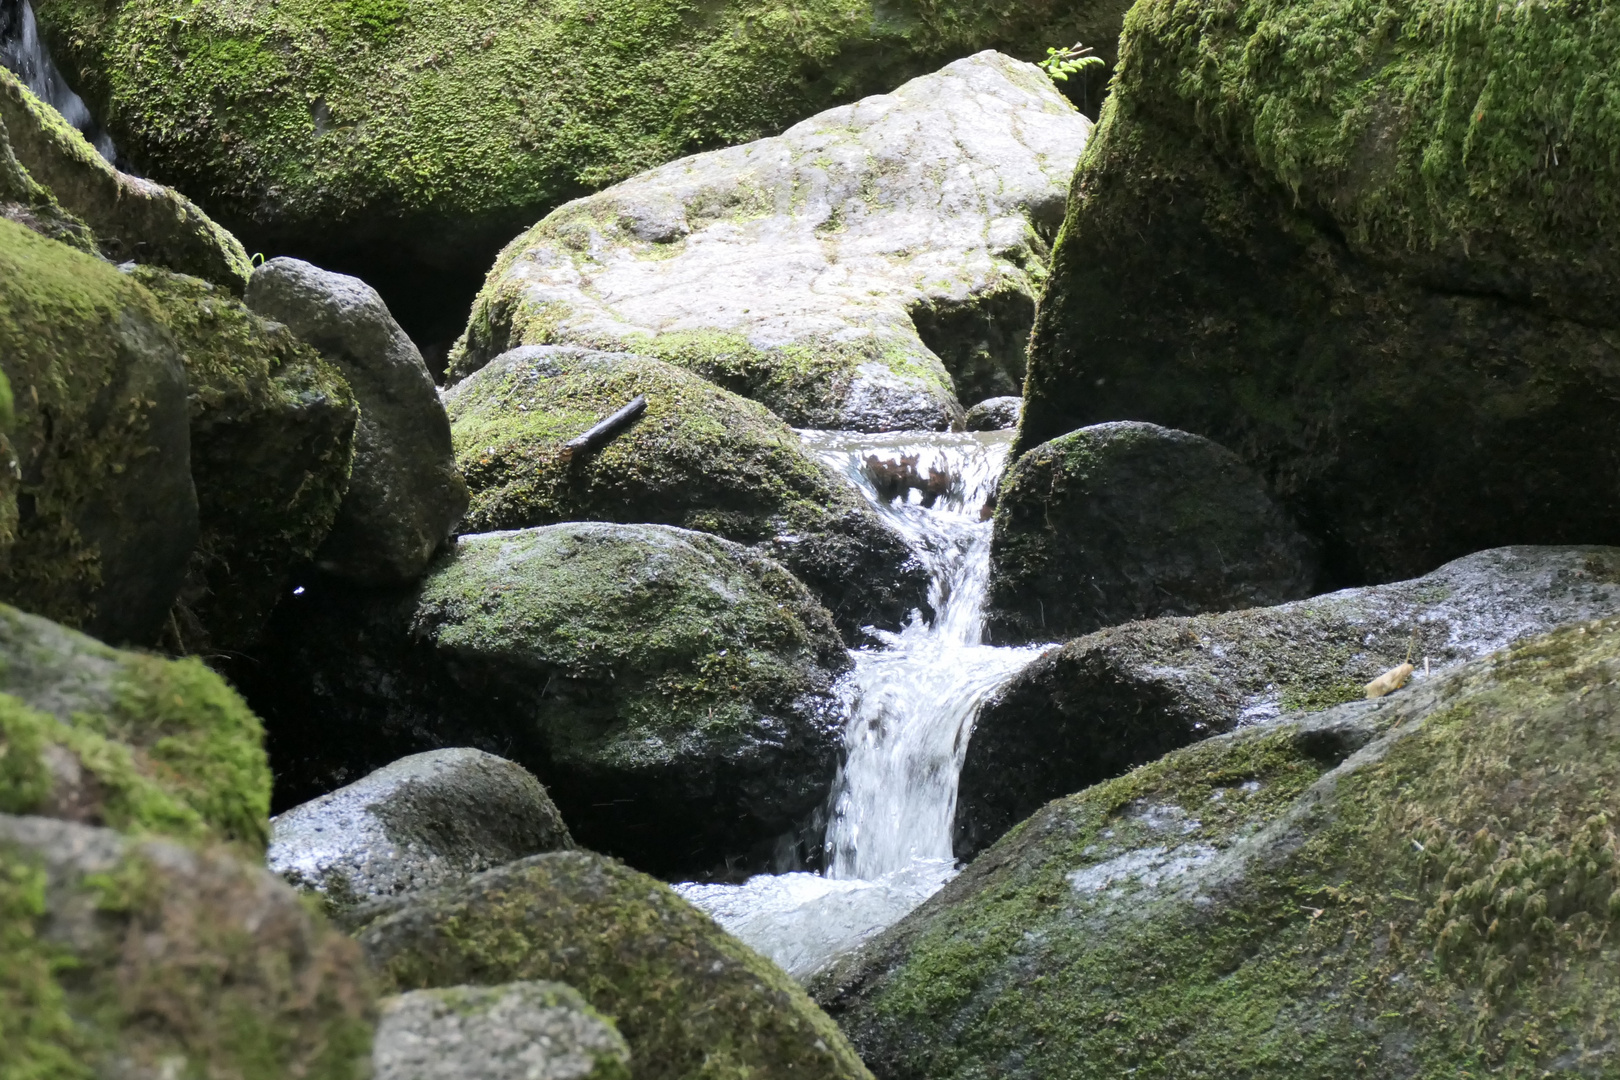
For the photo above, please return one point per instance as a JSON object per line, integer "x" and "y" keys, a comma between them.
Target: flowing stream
{"x": 25, "y": 54}
{"x": 911, "y": 705}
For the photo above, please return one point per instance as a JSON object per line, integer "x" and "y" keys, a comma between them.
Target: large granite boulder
{"x": 1421, "y": 885}
{"x": 1130, "y": 521}
{"x": 406, "y": 143}
{"x": 129, "y": 740}
{"x": 405, "y": 494}
{"x": 272, "y": 438}
{"x": 699, "y": 457}
{"x": 1124, "y": 696}
{"x": 147, "y": 959}
{"x": 843, "y": 273}
{"x": 1368, "y": 250}
{"x": 426, "y": 820}
{"x": 671, "y": 689}
{"x": 107, "y": 515}
{"x": 692, "y": 1001}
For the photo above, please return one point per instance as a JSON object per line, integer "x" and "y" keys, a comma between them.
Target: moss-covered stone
{"x": 125, "y": 739}
{"x": 1279, "y": 903}
{"x": 1369, "y": 249}
{"x": 699, "y": 457}
{"x": 107, "y": 515}
{"x": 400, "y": 140}
{"x": 24, "y": 201}
{"x": 691, "y": 1000}
{"x": 272, "y": 437}
{"x": 671, "y": 689}
{"x": 131, "y": 218}
{"x": 150, "y": 959}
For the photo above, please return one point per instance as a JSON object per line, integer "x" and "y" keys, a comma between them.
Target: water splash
{"x": 22, "y": 51}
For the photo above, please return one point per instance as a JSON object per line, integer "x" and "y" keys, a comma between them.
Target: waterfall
{"x": 24, "y": 53}
{"x": 911, "y": 704}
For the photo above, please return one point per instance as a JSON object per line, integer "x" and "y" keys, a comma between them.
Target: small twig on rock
{"x": 606, "y": 431}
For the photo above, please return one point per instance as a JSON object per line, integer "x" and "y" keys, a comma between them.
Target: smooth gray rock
{"x": 514, "y": 1031}
{"x": 995, "y": 414}
{"x": 1127, "y": 521}
{"x": 1126, "y": 695}
{"x": 428, "y": 819}
{"x": 842, "y": 273}
{"x": 405, "y": 494}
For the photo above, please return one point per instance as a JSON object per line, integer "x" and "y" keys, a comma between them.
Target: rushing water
{"x": 24, "y": 53}
{"x": 911, "y": 703}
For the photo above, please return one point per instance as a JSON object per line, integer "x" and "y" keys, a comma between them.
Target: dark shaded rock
{"x": 671, "y": 689}
{"x": 272, "y": 436}
{"x": 1126, "y": 695}
{"x": 1363, "y": 267}
{"x": 515, "y": 1031}
{"x": 405, "y": 494}
{"x": 699, "y": 457}
{"x": 426, "y": 820}
{"x": 995, "y": 414}
{"x": 147, "y": 959}
{"x": 1129, "y": 521}
{"x": 1244, "y": 908}
{"x": 689, "y": 999}
{"x": 107, "y": 516}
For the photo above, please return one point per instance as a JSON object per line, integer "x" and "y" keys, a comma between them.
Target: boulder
{"x": 131, "y": 218}
{"x": 1368, "y": 269}
{"x": 690, "y": 1000}
{"x": 1127, "y": 521}
{"x": 107, "y": 515}
{"x": 101, "y": 736}
{"x": 1420, "y": 885}
{"x": 407, "y": 143}
{"x": 1126, "y": 695}
{"x": 842, "y": 273}
{"x": 24, "y": 201}
{"x": 405, "y": 494}
{"x": 671, "y": 689}
{"x": 137, "y": 959}
{"x": 995, "y": 414}
{"x": 515, "y": 1031}
{"x": 699, "y": 457}
{"x": 426, "y": 820}
{"x": 272, "y": 436}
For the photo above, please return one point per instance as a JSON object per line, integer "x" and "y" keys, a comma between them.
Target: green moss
{"x": 37, "y": 1029}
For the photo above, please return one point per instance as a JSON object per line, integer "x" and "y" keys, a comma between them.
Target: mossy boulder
{"x": 29, "y": 204}
{"x": 855, "y": 272}
{"x": 272, "y": 438}
{"x": 146, "y": 958}
{"x": 1368, "y": 249}
{"x": 1124, "y": 696}
{"x": 407, "y": 142}
{"x": 107, "y": 515}
{"x": 1422, "y": 885}
{"x": 671, "y": 689}
{"x": 130, "y": 218}
{"x": 1126, "y": 521}
{"x": 699, "y": 457}
{"x": 691, "y": 1000}
{"x": 129, "y": 740}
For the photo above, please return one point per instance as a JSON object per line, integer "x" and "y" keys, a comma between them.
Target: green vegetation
{"x": 1061, "y": 63}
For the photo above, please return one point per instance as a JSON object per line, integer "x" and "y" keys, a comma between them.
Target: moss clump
{"x": 1439, "y": 904}
{"x": 30, "y": 205}
{"x": 124, "y": 739}
{"x": 37, "y": 1027}
{"x": 691, "y": 1000}
{"x": 272, "y": 439}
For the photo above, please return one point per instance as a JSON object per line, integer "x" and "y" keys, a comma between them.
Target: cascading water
{"x": 24, "y": 53}
{"x": 911, "y": 708}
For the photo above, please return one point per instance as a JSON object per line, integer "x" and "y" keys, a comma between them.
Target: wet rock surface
{"x": 843, "y": 273}
{"x": 1126, "y": 521}
{"x": 426, "y": 820}
{"x": 995, "y": 414}
{"x": 1122, "y": 697}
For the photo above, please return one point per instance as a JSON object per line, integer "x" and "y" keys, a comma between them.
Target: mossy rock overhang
{"x": 406, "y": 142}
{"x": 1370, "y": 250}
{"x": 672, "y": 690}
{"x": 699, "y": 457}
{"x": 1420, "y": 885}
